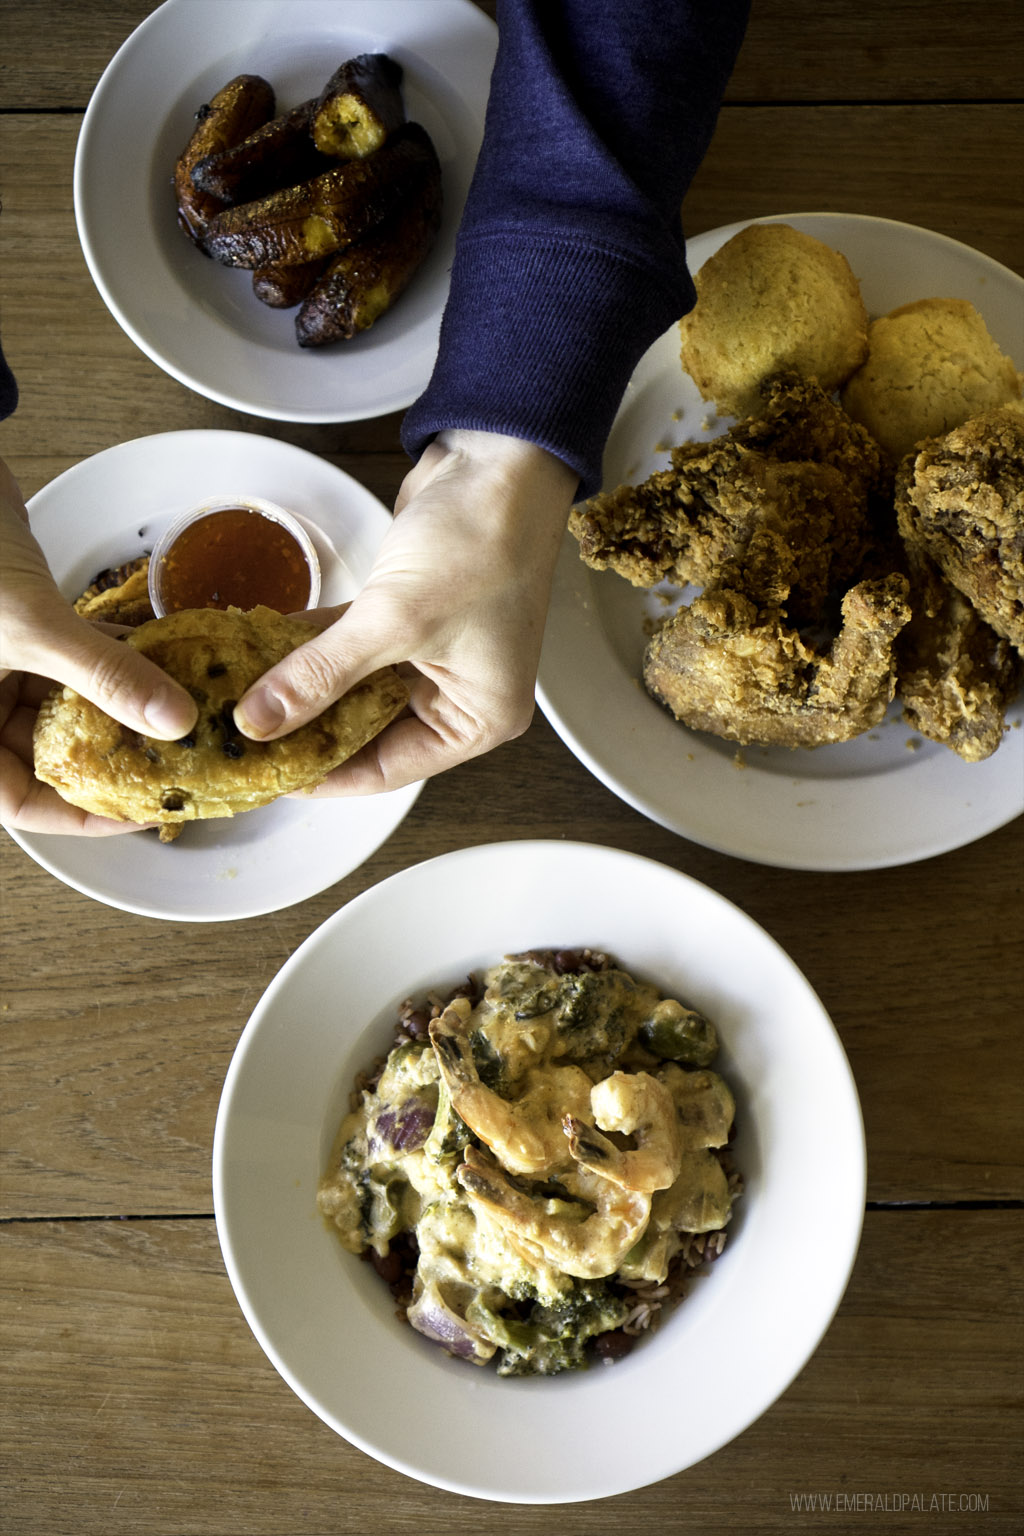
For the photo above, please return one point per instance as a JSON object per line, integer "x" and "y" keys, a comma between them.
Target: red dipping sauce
{"x": 234, "y": 557}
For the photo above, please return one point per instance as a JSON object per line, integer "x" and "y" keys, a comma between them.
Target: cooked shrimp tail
{"x": 586, "y": 1234}
{"x": 637, "y": 1105}
{"x": 524, "y": 1133}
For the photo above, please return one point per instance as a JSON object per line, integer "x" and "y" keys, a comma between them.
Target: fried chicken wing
{"x": 956, "y": 676}
{"x": 784, "y": 505}
{"x": 960, "y": 501}
{"x": 725, "y": 666}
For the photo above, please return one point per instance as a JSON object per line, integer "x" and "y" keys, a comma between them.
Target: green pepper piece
{"x": 676, "y": 1033}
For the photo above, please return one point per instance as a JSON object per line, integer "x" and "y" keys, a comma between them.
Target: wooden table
{"x": 134, "y": 1396}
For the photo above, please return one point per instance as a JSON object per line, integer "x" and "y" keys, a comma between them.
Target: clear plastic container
{"x": 237, "y": 552}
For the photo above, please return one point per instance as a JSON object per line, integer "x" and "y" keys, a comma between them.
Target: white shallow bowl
{"x": 114, "y": 506}
{"x": 327, "y": 1322}
{"x": 889, "y": 796}
{"x": 200, "y": 321}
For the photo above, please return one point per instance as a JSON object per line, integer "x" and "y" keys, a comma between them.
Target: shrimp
{"x": 638, "y": 1105}
{"x": 525, "y": 1134}
{"x": 586, "y": 1235}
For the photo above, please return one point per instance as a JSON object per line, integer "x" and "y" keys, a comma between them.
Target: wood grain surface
{"x": 134, "y": 1397}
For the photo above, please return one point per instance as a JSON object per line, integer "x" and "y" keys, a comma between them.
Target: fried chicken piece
{"x": 960, "y": 500}
{"x": 787, "y": 500}
{"x": 119, "y": 595}
{"x": 723, "y": 665}
{"x": 955, "y": 676}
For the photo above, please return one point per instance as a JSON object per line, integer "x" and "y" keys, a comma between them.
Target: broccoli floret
{"x": 553, "y": 1337}
{"x": 591, "y": 1018}
{"x": 450, "y": 1134}
{"x": 527, "y": 987}
{"x": 489, "y": 1065}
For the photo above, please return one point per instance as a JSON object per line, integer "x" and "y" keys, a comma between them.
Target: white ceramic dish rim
{"x": 101, "y": 512}
{"x": 887, "y": 798}
{"x": 201, "y": 323}
{"x": 275, "y": 1126}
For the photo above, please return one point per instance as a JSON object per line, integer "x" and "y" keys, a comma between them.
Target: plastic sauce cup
{"x": 234, "y": 553}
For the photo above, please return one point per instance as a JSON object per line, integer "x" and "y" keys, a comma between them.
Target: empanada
{"x": 103, "y": 767}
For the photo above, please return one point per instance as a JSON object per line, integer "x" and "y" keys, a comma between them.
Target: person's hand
{"x": 43, "y": 641}
{"x": 459, "y": 590}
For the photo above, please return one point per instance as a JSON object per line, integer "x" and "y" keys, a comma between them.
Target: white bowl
{"x": 327, "y": 1322}
{"x": 115, "y": 505}
{"x": 200, "y": 321}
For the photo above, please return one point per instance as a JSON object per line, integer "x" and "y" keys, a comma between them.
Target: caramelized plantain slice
{"x": 358, "y": 108}
{"x": 279, "y": 154}
{"x": 284, "y": 287}
{"x": 365, "y": 279}
{"x": 300, "y": 224}
{"x": 236, "y": 111}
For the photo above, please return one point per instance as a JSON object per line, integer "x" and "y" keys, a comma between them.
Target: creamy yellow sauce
{"x": 537, "y": 1161}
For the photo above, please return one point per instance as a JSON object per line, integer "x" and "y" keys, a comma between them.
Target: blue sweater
{"x": 570, "y": 258}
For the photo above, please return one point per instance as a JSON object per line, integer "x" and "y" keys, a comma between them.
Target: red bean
{"x": 613, "y": 1346}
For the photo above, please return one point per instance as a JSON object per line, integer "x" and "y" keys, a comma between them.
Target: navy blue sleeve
{"x": 8, "y": 388}
{"x": 570, "y": 258}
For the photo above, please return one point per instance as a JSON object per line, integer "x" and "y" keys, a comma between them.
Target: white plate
{"x": 325, "y": 1320}
{"x": 888, "y": 797}
{"x": 109, "y": 509}
{"x": 199, "y": 321}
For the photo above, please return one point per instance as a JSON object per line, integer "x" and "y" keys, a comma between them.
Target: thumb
{"x": 312, "y": 676}
{"x": 112, "y": 675}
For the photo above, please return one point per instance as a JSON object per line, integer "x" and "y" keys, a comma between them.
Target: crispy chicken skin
{"x": 793, "y": 526}
{"x": 725, "y": 666}
{"x": 960, "y": 501}
{"x": 785, "y": 505}
{"x": 956, "y": 676}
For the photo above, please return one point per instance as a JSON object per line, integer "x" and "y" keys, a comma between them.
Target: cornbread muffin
{"x": 103, "y": 767}
{"x": 771, "y": 299}
{"x": 960, "y": 501}
{"x": 931, "y": 366}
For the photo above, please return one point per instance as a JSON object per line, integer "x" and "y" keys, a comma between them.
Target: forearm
{"x": 570, "y": 257}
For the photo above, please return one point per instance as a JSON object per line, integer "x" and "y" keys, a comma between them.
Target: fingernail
{"x": 259, "y": 714}
{"x": 168, "y": 714}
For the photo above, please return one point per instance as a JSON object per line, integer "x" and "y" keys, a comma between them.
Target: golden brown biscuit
{"x": 931, "y": 366}
{"x": 772, "y": 298}
{"x": 103, "y": 767}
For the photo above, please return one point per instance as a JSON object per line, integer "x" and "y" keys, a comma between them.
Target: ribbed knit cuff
{"x": 538, "y": 341}
{"x": 8, "y": 389}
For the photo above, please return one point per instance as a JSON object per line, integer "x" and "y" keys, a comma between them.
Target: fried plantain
{"x": 279, "y": 154}
{"x": 359, "y": 107}
{"x": 119, "y": 595}
{"x": 365, "y": 279}
{"x": 300, "y": 224}
{"x": 284, "y": 287}
{"x": 235, "y": 112}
